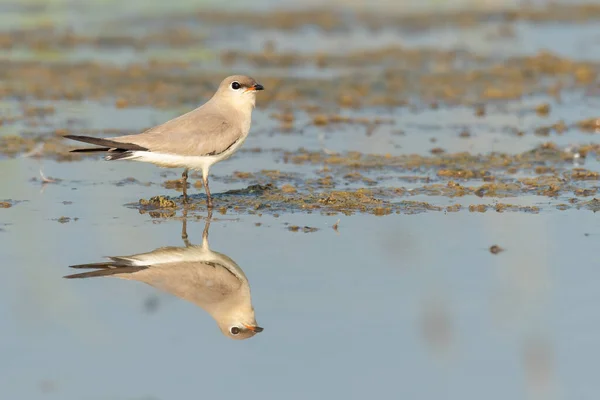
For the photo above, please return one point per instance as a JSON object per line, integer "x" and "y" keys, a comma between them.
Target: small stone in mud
{"x": 379, "y": 211}
{"x": 480, "y": 111}
{"x": 288, "y": 117}
{"x": 478, "y": 208}
{"x": 437, "y": 150}
{"x": 543, "y": 109}
{"x": 465, "y": 134}
{"x": 559, "y": 127}
{"x": 591, "y": 124}
{"x": 585, "y": 74}
{"x": 306, "y": 229}
{"x": 320, "y": 120}
{"x": 260, "y": 206}
{"x": 5, "y": 204}
{"x": 488, "y": 177}
{"x": 585, "y": 192}
{"x": 583, "y": 174}
{"x": 542, "y": 131}
{"x": 326, "y": 181}
{"x": 495, "y": 249}
{"x": 242, "y": 175}
{"x": 347, "y": 100}
{"x": 257, "y": 223}
{"x": 465, "y": 174}
{"x": 287, "y": 188}
{"x": 63, "y": 220}
{"x": 121, "y": 103}
{"x": 286, "y": 126}
{"x": 453, "y": 208}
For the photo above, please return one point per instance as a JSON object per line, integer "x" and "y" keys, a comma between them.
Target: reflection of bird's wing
{"x": 163, "y": 255}
{"x": 192, "y": 273}
{"x": 173, "y": 254}
{"x": 201, "y": 132}
{"x": 203, "y": 283}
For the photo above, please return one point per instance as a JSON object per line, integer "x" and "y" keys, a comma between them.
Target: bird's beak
{"x": 255, "y": 329}
{"x": 255, "y": 87}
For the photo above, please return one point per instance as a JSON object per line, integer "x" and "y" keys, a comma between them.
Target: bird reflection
{"x": 194, "y": 273}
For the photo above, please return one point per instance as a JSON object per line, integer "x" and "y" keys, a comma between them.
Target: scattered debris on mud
{"x": 305, "y": 229}
{"x": 495, "y": 249}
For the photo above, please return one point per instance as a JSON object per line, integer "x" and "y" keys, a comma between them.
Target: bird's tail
{"x": 91, "y": 150}
{"x": 117, "y": 266}
{"x": 118, "y": 150}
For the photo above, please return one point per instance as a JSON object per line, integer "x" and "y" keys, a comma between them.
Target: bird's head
{"x": 239, "y": 90}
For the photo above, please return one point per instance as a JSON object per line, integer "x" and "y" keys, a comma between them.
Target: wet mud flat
{"x": 470, "y": 182}
{"x": 540, "y": 105}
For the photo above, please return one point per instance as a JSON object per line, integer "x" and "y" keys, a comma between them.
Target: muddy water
{"x": 418, "y": 221}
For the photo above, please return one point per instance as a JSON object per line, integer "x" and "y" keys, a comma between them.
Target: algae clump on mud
{"x": 158, "y": 202}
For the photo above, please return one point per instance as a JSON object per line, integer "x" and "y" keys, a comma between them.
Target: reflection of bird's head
{"x": 239, "y": 328}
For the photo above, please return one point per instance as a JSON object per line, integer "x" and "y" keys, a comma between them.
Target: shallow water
{"x": 395, "y": 303}
{"x": 398, "y": 295}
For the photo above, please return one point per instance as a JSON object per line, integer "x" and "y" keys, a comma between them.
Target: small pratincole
{"x": 196, "y": 140}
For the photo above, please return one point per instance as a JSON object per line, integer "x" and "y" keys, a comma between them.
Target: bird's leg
{"x": 184, "y": 234}
{"x": 206, "y": 189}
{"x": 206, "y": 227}
{"x": 184, "y": 177}
{"x": 209, "y": 203}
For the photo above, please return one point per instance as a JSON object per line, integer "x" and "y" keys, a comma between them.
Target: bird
{"x": 195, "y": 273}
{"x": 196, "y": 140}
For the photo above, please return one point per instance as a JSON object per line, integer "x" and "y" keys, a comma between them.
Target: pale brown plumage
{"x": 208, "y": 130}
{"x": 197, "y": 139}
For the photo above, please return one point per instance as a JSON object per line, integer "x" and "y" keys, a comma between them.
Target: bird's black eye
{"x": 236, "y": 85}
{"x": 234, "y": 330}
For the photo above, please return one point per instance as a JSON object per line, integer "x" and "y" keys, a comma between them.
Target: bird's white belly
{"x": 198, "y": 163}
